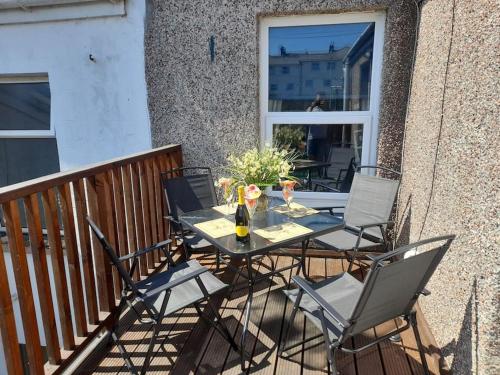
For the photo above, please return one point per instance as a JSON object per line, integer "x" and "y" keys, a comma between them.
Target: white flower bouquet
{"x": 263, "y": 168}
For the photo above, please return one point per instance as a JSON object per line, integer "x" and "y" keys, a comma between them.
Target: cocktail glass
{"x": 287, "y": 189}
{"x": 251, "y": 207}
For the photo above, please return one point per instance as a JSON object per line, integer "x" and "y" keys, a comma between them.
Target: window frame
{"x": 28, "y": 78}
{"x": 369, "y": 118}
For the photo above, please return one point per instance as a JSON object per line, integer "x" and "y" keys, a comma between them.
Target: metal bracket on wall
{"x": 212, "y": 48}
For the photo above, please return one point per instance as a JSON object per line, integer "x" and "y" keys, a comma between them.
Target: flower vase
{"x": 262, "y": 202}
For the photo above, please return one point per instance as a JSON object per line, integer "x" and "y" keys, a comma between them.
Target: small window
{"x": 27, "y": 140}
{"x": 285, "y": 69}
{"x": 331, "y": 66}
{"x": 289, "y": 86}
{"x": 274, "y": 87}
{"x": 327, "y": 82}
{"x": 315, "y": 66}
{"x": 309, "y": 83}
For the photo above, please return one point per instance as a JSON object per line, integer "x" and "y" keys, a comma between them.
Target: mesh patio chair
{"x": 342, "y": 307}
{"x": 366, "y": 215}
{"x": 189, "y": 189}
{"x": 162, "y": 294}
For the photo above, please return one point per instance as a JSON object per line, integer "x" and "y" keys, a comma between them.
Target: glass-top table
{"x": 317, "y": 224}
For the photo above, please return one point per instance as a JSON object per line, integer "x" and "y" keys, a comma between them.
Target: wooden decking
{"x": 192, "y": 347}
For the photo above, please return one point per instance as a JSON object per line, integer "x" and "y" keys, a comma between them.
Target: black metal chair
{"x": 366, "y": 215}
{"x": 342, "y": 307}
{"x": 162, "y": 294}
{"x": 189, "y": 189}
{"x": 340, "y": 184}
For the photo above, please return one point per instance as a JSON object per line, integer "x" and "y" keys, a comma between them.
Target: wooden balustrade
{"x": 124, "y": 196}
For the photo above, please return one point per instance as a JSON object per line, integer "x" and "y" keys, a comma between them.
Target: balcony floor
{"x": 194, "y": 348}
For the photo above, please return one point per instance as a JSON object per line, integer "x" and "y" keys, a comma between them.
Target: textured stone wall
{"x": 451, "y": 175}
{"x": 205, "y": 106}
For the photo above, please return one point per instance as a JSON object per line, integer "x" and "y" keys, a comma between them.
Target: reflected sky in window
{"x": 314, "y": 38}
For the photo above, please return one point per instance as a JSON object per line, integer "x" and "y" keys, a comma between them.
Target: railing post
{"x": 57, "y": 257}
{"x": 42, "y": 277}
{"x": 10, "y": 342}
{"x": 23, "y": 286}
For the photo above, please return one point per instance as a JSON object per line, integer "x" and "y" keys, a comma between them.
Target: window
{"x": 28, "y": 147}
{"x": 285, "y": 69}
{"x": 335, "y": 122}
{"x": 289, "y": 86}
{"x": 274, "y": 87}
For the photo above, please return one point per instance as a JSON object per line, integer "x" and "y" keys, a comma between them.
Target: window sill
{"x": 11, "y": 12}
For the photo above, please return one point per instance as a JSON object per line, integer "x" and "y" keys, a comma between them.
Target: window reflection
{"x": 327, "y": 154}
{"x": 329, "y": 62}
{"x": 25, "y": 106}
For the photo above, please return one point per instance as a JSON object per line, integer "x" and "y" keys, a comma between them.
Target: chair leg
{"x": 331, "y": 360}
{"x": 413, "y": 322}
{"x": 351, "y": 259}
{"x": 217, "y": 260}
{"x": 218, "y": 325}
{"x": 289, "y": 326}
{"x": 156, "y": 330}
{"x": 114, "y": 337}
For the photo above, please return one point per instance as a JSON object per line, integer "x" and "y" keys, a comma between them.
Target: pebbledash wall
{"x": 450, "y": 164}
{"x": 451, "y": 175}
{"x": 213, "y": 108}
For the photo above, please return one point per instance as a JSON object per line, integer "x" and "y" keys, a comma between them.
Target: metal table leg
{"x": 248, "y": 309}
{"x": 302, "y": 266}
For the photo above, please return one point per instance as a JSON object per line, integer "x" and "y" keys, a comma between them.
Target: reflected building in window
{"x": 307, "y": 73}
{"x": 340, "y": 76}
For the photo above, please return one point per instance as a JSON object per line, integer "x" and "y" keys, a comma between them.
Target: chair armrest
{"x": 330, "y": 209}
{"x": 371, "y": 225}
{"x": 174, "y": 283}
{"x": 140, "y": 252}
{"x": 425, "y": 292}
{"x": 170, "y": 218}
{"x": 325, "y": 186}
{"x": 302, "y": 284}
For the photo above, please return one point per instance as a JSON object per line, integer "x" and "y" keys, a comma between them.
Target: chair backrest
{"x": 345, "y": 185}
{"x": 110, "y": 252}
{"x": 371, "y": 199}
{"x": 188, "y": 189}
{"x": 339, "y": 158}
{"x": 391, "y": 289}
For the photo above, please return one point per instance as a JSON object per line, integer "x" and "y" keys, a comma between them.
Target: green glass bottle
{"x": 242, "y": 218}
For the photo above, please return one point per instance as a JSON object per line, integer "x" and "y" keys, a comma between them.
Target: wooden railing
{"x": 125, "y": 198}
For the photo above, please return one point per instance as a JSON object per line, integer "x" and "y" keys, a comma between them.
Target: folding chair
{"x": 366, "y": 215}
{"x": 342, "y": 307}
{"x": 162, "y": 294}
{"x": 189, "y": 189}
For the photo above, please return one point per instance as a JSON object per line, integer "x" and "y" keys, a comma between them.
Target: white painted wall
{"x": 98, "y": 109}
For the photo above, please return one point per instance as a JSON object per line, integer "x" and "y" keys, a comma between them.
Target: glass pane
{"x": 25, "y": 106}
{"x": 320, "y": 67}
{"x": 27, "y": 158}
{"x": 327, "y": 153}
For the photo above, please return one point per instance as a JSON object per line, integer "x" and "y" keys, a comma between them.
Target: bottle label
{"x": 241, "y": 231}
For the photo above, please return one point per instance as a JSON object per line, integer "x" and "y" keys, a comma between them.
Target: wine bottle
{"x": 242, "y": 217}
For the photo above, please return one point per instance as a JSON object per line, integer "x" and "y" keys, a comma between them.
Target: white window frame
{"x": 28, "y": 78}
{"x": 369, "y": 119}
